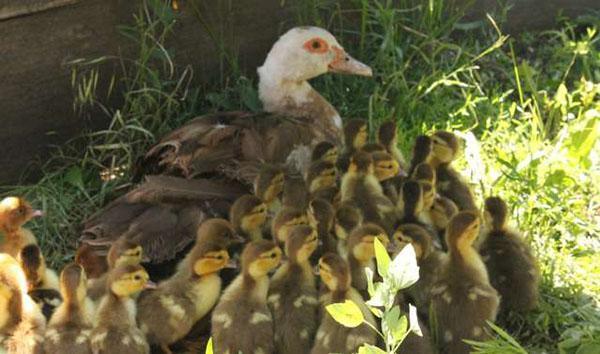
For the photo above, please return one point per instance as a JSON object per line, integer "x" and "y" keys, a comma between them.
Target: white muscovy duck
{"x": 206, "y": 164}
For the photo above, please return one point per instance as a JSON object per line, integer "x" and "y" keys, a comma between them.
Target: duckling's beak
{"x": 37, "y": 213}
{"x": 150, "y": 285}
{"x": 232, "y": 264}
{"x": 237, "y": 238}
{"x": 343, "y": 63}
{"x": 391, "y": 247}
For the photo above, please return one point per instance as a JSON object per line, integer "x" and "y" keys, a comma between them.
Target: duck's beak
{"x": 37, "y": 213}
{"x": 345, "y": 64}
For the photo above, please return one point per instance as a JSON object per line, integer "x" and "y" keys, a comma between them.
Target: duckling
{"x": 284, "y": 221}
{"x": 242, "y": 321}
{"x": 361, "y": 253}
{"x": 268, "y": 186}
{"x": 22, "y": 324}
{"x": 424, "y": 172}
{"x": 321, "y": 174}
{"x": 325, "y": 151}
{"x": 168, "y": 313}
{"x": 14, "y": 213}
{"x": 347, "y": 218}
{"x": 441, "y": 212}
{"x": 511, "y": 265}
{"x": 42, "y": 282}
{"x": 387, "y": 135}
{"x": 92, "y": 262}
{"x": 445, "y": 148}
{"x": 333, "y": 337}
{"x": 122, "y": 252}
{"x": 421, "y": 152}
{"x": 293, "y": 294}
{"x": 387, "y": 172}
{"x": 332, "y": 195}
{"x": 70, "y": 327}
{"x": 373, "y": 147}
{"x": 295, "y": 192}
{"x": 115, "y": 329}
{"x": 462, "y": 299}
{"x": 411, "y": 206}
{"x": 361, "y": 187}
{"x": 320, "y": 216}
{"x": 355, "y": 137}
{"x": 248, "y": 215}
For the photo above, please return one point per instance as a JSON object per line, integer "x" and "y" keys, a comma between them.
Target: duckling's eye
{"x": 219, "y": 257}
{"x": 137, "y": 277}
{"x": 273, "y": 255}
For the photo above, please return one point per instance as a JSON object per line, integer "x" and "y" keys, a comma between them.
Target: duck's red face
{"x": 338, "y": 61}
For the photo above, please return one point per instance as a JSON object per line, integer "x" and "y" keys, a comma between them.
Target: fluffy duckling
{"x": 122, "y": 252}
{"x": 462, "y": 299}
{"x": 293, "y": 294}
{"x": 115, "y": 329}
{"x": 22, "y": 324}
{"x": 511, "y": 265}
{"x": 295, "y": 192}
{"x": 93, "y": 263}
{"x": 385, "y": 165}
{"x": 332, "y": 195}
{"x": 333, "y": 337}
{"x": 42, "y": 282}
{"x": 445, "y": 149}
{"x": 284, "y": 221}
{"x": 168, "y": 313}
{"x": 411, "y": 205}
{"x": 71, "y": 325}
{"x": 355, "y": 137}
{"x": 441, "y": 212}
{"x": 325, "y": 151}
{"x": 387, "y": 135}
{"x": 347, "y": 218}
{"x": 14, "y": 213}
{"x": 361, "y": 253}
{"x": 321, "y": 215}
{"x": 361, "y": 187}
{"x": 242, "y": 321}
{"x": 248, "y": 215}
{"x": 321, "y": 175}
{"x": 373, "y": 147}
{"x": 424, "y": 172}
{"x": 268, "y": 186}
{"x": 421, "y": 152}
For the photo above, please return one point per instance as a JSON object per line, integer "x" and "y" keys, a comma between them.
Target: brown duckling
{"x": 93, "y": 262}
{"x": 42, "y": 282}
{"x": 321, "y": 175}
{"x": 510, "y": 263}
{"x": 355, "y": 137}
{"x": 248, "y": 215}
{"x": 22, "y": 324}
{"x": 373, "y": 147}
{"x": 347, "y": 218}
{"x": 421, "y": 152}
{"x": 284, "y": 221}
{"x": 242, "y": 321}
{"x": 333, "y": 337}
{"x": 361, "y": 187}
{"x": 411, "y": 206}
{"x": 387, "y": 172}
{"x": 332, "y": 195}
{"x": 424, "y": 172}
{"x": 441, "y": 212}
{"x": 462, "y": 299}
{"x": 321, "y": 215}
{"x": 14, "y": 213}
{"x": 115, "y": 329}
{"x": 387, "y": 135}
{"x": 445, "y": 149}
{"x": 169, "y": 312}
{"x": 122, "y": 252}
{"x": 268, "y": 186}
{"x": 361, "y": 253}
{"x": 325, "y": 151}
{"x": 295, "y": 192}
{"x": 293, "y": 294}
{"x": 71, "y": 324}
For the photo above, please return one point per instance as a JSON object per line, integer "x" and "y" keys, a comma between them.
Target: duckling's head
{"x": 248, "y": 213}
{"x": 373, "y": 147}
{"x": 260, "y": 257}
{"x": 445, "y": 146}
{"x": 361, "y": 163}
{"x": 496, "y": 213}
{"x": 268, "y": 184}
{"x": 331, "y": 194}
{"x": 325, "y": 151}
{"x": 320, "y": 215}
{"x": 424, "y": 172}
{"x": 91, "y": 260}
{"x": 347, "y": 218}
{"x": 124, "y": 251}
{"x": 301, "y": 243}
{"x": 334, "y": 272}
{"x": 421, "y": 150}
{"x": 355, "y": 134}
{"x": 16, "y": 211}
{"x": 417, "y": 236}
{"x": 217, "y": 231}
{"x": 127, "y": 280}
{"x": 303, "y": 53}
{"x": 462, "y": 230}
{"x": 321, "y": 174}
{"x": 73, "y": 283}
{"x": 387, "y": 134}
{"x": 295, "y": 192}
{"x": 208, "y": 258}
{"x": 385, "y": 165}
{"x": 33, "y": 264}
{"x": 361, "y": 240}
{"x": 442, "y": 210}
{"x": 285, "y": 220}
{"x": 410, "y": 200}
{"x": 428, "y": 190}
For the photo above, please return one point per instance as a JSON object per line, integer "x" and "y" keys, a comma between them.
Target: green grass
{"x": 527, "y": 106}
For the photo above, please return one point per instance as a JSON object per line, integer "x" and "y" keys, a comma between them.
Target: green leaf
{"x": 370, "y": 349}
{"x": 74, "y": 177}
{"x": 347, "y": 313}
{"x": 394, "y": 326}
{"x": 589, "y": 348}
{"x": 209, "y": 346}
{"x": 382, "y": 257}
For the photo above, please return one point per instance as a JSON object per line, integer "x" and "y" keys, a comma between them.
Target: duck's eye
{"x": 315, "y": 44}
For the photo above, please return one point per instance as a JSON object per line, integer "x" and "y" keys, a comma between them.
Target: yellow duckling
{"x": 14, "y": 213}
{"x": 248, "y": 215}
{"x": 42, "y": 282}
{"x": 70, "y": 327}
{"x": 268, "y": 186}
{"x": 361, "y": 253}
{"x": 285, "y": 220}
{"x": 347, "y": 218}
{"x": 321, "y": 175}
{"x": 242, "y": 321}
{"x": 325, "y": 151}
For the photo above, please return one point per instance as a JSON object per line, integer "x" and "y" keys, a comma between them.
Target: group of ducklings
{"x": 317, "y": 223}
